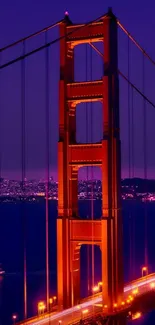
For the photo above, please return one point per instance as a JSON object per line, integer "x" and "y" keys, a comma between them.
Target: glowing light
{"x": 50, "y": 300}
{"x": 41, "y": 306}
{"x": 122, "y": 303}
{"x": 85, "y": 311}
{"x": 40, "y": 303}
{"x": 95, "y": 289}
{"x": 137, "y": 315}
{"x": 105, "y": 306}
{"x": 54, "y": 297}
{"x": 66, "y": 13}
{"x": 152, "y": 285}
{"x": 115, "y": 305}
{"x": 100, "y": 283}
{"x": 135, "y": 291}
{"x": 144, "y": 270}
{"x": 14, "y": 317}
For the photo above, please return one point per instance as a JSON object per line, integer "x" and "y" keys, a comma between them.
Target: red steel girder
{"x": 82, "y": 231}
{"x": 78, "y": 34}
{"x": 85, "y": 154}
{"x": 79, "y": 92}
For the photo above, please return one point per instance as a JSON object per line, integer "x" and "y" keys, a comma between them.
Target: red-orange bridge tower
{"x": 72, "y": 232}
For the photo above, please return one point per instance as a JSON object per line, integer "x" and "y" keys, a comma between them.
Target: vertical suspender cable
{"x": 145, "y": 160}
{"x": 129, "y": 117}
{"x": 129, "y": 153}
{"x": 0, "y": 141}
{"x": 92, "y": 173}
{"x": 47, "y": 166}
{"x": 23, "y": 175}
{"x": 88, "y": 251}
{"x": 132, "y": 175}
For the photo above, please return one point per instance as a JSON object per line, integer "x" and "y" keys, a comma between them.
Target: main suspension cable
{"x": 31, "y": 36}
{"x": 135, "y": 42}
{"x": 49, "y": 43}
{"x": 126, "y": 79}
{"x": 137, "y": 89}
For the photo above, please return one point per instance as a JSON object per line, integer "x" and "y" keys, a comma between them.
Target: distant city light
{"x": 66, "y": 13}
{"x": 35, "y": 190}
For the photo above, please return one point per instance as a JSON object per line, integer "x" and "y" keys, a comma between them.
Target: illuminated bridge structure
{"x": 88, "y": 307}
{"x": 113, "y": 299}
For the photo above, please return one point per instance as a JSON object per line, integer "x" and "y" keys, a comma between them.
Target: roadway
{"x": 94, "y": 304}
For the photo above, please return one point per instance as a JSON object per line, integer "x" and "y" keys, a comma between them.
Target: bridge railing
{"x": 88, "y": 316}
{"x": 37, "y": 317}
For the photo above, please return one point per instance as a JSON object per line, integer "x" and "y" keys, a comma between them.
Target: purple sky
{"x": 19, "y": 19}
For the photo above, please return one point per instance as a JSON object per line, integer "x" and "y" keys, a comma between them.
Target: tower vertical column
{"x": 112, "y": 266}
{"x": 75, "y": 273}
{"x": 63, "y": 227}
{"x": 73, "y": 192}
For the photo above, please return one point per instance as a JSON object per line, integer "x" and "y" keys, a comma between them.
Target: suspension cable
{"x": 92, "y": 172}
{"x": 0, "y": 138}
{"x": 126, "y": 79}
{"x": 49, "y": 43}
{"x": 137, "y": 89}
{"x": 132, "y": 132}
{"x": 129, "y": 157}
{"x": 47, "y": 166}
{"x": 132, "y": 175}
{"x": 129, "y": 136}
{"x": 23, "y": 176}
{"x": 30, "y": 36}
{"x": 88, "y": 251}
{"x": 135, "y": 42}
{"x": 145, "y": 159}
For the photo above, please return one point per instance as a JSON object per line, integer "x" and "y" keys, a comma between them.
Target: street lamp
{"x": 54, "y": 298}
{"x": 41, "y": 307}
{"x": 14, "y": 317}
{"x": 95, "y": 289}
{"x": 100, "y": 284}
{"x": 152, "y": 285}
{"x": 85, "y": 311}
{"x": 135, "y": 291}
{"x": 144, "y": 270}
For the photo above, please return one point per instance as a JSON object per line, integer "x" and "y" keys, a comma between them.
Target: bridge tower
{"x": 72, "y": 232}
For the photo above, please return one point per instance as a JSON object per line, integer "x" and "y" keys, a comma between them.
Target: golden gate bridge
{"x": 112, "y": 300}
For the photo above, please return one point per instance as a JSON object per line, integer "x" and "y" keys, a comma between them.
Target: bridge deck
{"x": 93, "y": 304}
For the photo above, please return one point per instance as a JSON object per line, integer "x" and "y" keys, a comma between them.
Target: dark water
{"x": 11, "y": 252}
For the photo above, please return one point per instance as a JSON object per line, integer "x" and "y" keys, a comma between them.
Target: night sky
{"x": 20, "y": 18}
